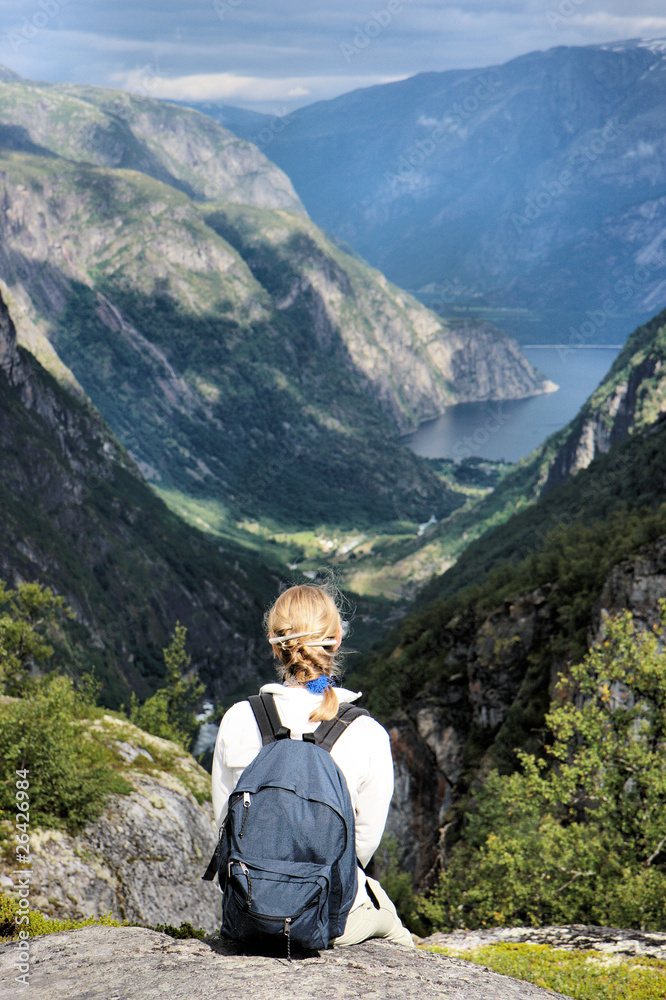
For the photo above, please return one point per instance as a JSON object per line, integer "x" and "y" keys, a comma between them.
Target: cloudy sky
{"x": 276, "y": 56}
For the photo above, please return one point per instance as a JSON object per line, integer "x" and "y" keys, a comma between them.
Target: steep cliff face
{"x": 77, "y": 516}
{"x": 452, "y": 730}
{"x": 61, "y": 414}
{"x": 142, "y": 860}
{"x": 628, "y": 400}
{"x": 638, "y": 584}
{"x": 413, "y": 364}
{"x": 496, "y": 683}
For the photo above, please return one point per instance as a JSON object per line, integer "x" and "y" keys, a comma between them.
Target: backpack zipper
{"x": 287, "y": 931}
{"x": 246, "y": 903}
{"x": 246, "y": 872}
{"x": 246, "y": 811}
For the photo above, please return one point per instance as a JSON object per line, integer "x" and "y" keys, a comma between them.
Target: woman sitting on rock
{"x": 305, "y": 630}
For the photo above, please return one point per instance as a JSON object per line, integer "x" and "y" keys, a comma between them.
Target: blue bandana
{"x": 319, "y": 684}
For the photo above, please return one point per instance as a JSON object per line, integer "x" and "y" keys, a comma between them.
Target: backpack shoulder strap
{"x": 268, "y": 718}
{"x": 328, "y": 732}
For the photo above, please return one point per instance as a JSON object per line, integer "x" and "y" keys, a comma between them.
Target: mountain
{"x": 245, "y": 361}
{"x": 537, "y": 187}
{"x": 110, "y": 128}
{"x": 78, "y": 517}
{"x": 469, "y": 674}
{"x": 243, "y": 123}
{"x": 484, "y": 673}
{"x": 7, "y": 74}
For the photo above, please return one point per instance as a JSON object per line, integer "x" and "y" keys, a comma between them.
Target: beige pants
{"x": 366, "y": 921}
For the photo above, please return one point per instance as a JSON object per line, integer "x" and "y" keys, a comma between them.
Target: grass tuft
{"x": 583, "y": 975}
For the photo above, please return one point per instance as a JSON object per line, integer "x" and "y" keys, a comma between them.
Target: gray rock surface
{"x": 112, "y": 128}
{"x": 131, "y": 963}
{"x": 142, "y": 860}
{"x": 625, "y": 403}
{"x": 487, "y": 660}
{"x": 637, "y": 584}
{"x": 608, "y": 940}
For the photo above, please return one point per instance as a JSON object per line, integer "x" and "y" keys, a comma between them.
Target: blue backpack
{"x": 286, "y": 857}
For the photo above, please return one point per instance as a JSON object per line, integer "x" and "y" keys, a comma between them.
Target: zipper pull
{"x": 246, "y": 811}
{"x": 246, "y": 872}
{"x": 287, "y": 931}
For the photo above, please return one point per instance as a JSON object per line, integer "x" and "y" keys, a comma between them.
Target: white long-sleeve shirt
{"x": 362, "y": 752}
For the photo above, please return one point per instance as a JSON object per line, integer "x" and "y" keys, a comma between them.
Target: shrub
{"x": 397, "y": 883}
{"x": 39, "y": 924}
{"x": 578, "y": 836}
{"x": 70, "y": 773}
{"x": 170, "y": 712}
{"x": 27, "y": 616}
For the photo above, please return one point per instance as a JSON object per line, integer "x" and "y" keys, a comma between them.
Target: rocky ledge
{"x": 132, "y": 963}
{"x": 143, "y": 858}
{"x": 573, "y": 937}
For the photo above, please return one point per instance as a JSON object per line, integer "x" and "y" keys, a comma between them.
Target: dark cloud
{"x": 302, "y": 50}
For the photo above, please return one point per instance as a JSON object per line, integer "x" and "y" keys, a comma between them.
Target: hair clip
{"x": 299, "y": 635}
{"x": 292, "y": 635}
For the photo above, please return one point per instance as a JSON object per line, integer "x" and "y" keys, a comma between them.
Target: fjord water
{"x": 513, "y": 428}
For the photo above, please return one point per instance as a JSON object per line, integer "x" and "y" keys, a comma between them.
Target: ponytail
{"x": 328, "y": 708}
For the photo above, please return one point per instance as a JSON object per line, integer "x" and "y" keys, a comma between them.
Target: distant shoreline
{"x": 511, "y": 428}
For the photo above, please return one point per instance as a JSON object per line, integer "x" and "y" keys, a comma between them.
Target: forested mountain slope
{"x": 78, "y": 517}
{"x": 230, "y": 347}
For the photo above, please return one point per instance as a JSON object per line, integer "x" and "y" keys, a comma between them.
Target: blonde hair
{"x": 311, "y": 614}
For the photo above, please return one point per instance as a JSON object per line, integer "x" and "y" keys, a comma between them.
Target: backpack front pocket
{"x": 258, "y": 902}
